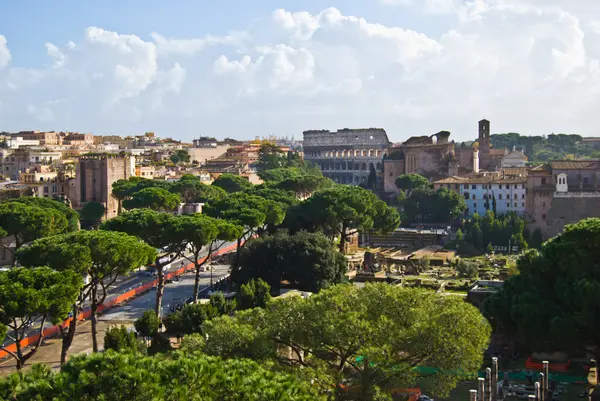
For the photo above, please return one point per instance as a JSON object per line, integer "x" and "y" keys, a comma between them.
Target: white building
{"x": 16, "y": 142}
{"x": 481, "y": 192}
{"x": 516, "y": 158}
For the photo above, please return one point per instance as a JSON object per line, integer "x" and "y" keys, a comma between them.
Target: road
{"x": 175, "y": 293}
{"x": 126, "y": 283}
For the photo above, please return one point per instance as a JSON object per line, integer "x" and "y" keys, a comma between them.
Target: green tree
{"x": 345, "y": 210}
{"x": 270, "y": 156}
{"x": 304, "y": 186}
{"x": 102, "y": 256}
{"x": 249, "y": 211}
{"x": 372, "y": 178}
{"x": 28, "y": 299}
{"x": 430, "y": 206}
{"x": 221, "y": 305}
{"x": 157, "y": 199}
{"x": 132, "y": 377}
{"x": 92, "y": 213}
{"x": 121, "y": 339}
{"x": 232, "y": 183}
{"x": 160, "y": 231}
{"x": 553, "y": 302}
{"x": 192, "y": 190}
{"x": 408, "y": 182}
{"x": 147, "y": 324}
{"x": 190, "y": 318}
{"x": 180, "y": 156}
{"x": 467, "y": 269}
{"x": 537, "y": 239}
{"x": 459, "y": 235}
{"x": 200, "y": 232}
{"x": 365, "y": 341}
{"x": 125, "y": 188}
{"x": 277, "y": 175}
{"x": 46, "y": 203}
{"x": 24, "y": 223}
{"x": 489, "y": 249}
{"x": 306, "y": 260}
{"x": 256, "y": 293}
{"x": 497, "y": 230}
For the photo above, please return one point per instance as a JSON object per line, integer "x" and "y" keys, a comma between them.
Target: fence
{"x": 109, "y": 303}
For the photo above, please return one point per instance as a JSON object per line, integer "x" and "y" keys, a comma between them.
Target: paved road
{"x": 126, "y": 283}
{"x": 175, "y": 293}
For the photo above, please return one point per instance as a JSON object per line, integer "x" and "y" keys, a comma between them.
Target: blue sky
{"x": 239, "y": 68}
{"x": 59, "y": 22}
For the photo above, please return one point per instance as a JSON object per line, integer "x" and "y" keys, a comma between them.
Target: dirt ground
{"x": 49, "y": 351}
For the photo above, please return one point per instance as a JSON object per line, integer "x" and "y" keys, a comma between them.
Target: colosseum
{"x": 346, "y": 156}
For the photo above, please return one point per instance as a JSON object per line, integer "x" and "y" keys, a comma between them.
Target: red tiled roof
{"x": 575, "y": 164}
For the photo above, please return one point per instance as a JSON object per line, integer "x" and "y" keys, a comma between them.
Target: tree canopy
{"x": 306, "y": 260}
{"x": 131, "y": 377}
{"x": 362, "y": 340}
{"x": 159, "y": 230}
{"x": 92, "y": 212}
{"x": 231, "y": 183}
{"x": 553, "y": 302}
{"x": 25, "y": 222}
{"x": 305, "y": 185}
{"x": 344, "y": 210}
{"x": 498, "y": 231}
{"x": 31, "y": 297}
{"x": 180, "y": 156}
{"x": 408, "y": 182}
{"x": 158, "y": 199}
{"x": 200, "y": 232}
{"x": 256, "y": 293}
{"x": 46, "y": 203}
{"x": 100, "y": 255}
{"x": 425, "y": 205}
{"x": 192, "y": 190}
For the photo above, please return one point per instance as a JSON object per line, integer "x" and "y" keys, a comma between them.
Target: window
{"x": 543, "y": 181}
{"x": 391, "y": 173}
{"x": 45, "y": 190}
{"x": 522, "y": 205}
{"x": 523, "y": 186}
{"x": 473, "y": 196}
{"x": 507, "y": 186}
{"x": 467, "y": 195}
{"x": 523, "y": 196}
{"x": 466, "y": 186}
{"x": 515, "y": 204}
{"x": 473, "y": 186}
{"x": 500, "y": 196}
{"x": 543, "y": 217}
{"x": 507, "y": 204}
{"x": 585, "y": 180}
{"x": 474, "y": 205}
{"x": 484, "y": 196}
{"x": 516, "y": 196}
{"x": 456, "y": 186}
{"x": 53, "y": 189}
{"x": 516, "y": 186}
{"x": 543, "y": 204}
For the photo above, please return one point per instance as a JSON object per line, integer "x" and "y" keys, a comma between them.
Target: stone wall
{"x": 566, "y": 210}
{"x": 391, "y": 170}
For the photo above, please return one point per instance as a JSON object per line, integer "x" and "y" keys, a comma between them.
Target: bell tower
{"x": 484, "y": 136}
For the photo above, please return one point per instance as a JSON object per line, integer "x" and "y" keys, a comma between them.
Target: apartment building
{"x": 504, "y": 191}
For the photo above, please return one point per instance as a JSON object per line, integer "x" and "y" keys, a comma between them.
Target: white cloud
{"x": 527, "y": 68}
{"x": 4, "y": 52}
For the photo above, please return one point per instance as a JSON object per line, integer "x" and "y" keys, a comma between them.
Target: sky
{"x": 186, "y": 68}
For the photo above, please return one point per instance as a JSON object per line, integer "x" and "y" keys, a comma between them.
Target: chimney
{"x": 475, "y": 160}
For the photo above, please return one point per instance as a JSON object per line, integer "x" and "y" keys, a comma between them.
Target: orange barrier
{"x": 537, "y": 365}
{"x": 86, "y": 313}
